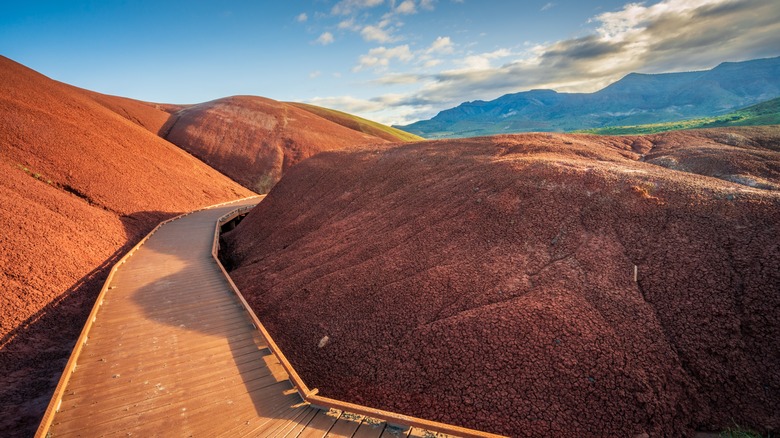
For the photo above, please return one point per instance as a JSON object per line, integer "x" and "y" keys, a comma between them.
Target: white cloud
{"x": 431, "y": 57}
{"x": 379, "y": 57}
{"x": 397, "y": 79}
{"x": 346, "y": 7}
{"x": 376, "y": 33}
{"x": 671, "y": 35}
{"x": 406, "y": 7}
{"x": 315, "y": 74}
{"x": 482, "y": 61}
{"x": 325, "y": 39}
{"x": 349, "y": 104}
{"x": 302, "y": 17}
{"x": 388, "y": 108}
{"x": 385, "y": 22}
{"x": 357, "y": 16}
{"x": 547, "y": 6}
{"x": 427, "y": 4}
{"x": 441, "y": 45}
{"x": 348, "y": 24}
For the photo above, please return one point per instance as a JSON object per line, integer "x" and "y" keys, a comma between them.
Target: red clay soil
{"x": 80, "y": 185}
{"x": 254, "y": 140}
{"x": 489, "y": 282}
{"x": 151, "y": 116}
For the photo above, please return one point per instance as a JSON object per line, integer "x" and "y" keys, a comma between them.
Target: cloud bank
{"x": 671, "y": 35}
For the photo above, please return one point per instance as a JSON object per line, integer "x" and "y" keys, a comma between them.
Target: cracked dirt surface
{"x": 490, "y": 282}
{"x": 83, "y": 177}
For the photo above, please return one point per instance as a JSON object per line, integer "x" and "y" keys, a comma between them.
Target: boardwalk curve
{"x": 171, "y": 349}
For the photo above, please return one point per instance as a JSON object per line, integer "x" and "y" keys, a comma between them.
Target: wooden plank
{"x": 103, "y": 379}
{"x": 134, "y": 315}
{"x": 416, "y": 432}
{"x": 213, "y": 347}
{"x": 370, "y": 428}
{"x": 190, "y": 321}
{"x": 161, "y": 282}
{"x": 197, "y": 321}
{"x": 158, "y": 410}
{"x": 197, "y": 324}
{"x": 187, "y": 288}
{"x": 149, "y": 269}
{"x": 320, "y": 424}
{"x": 149, "y": 294}
{"x": 202, "y": 420}
{"x": 118, "y": 352}
{"x": 295, "y": 427}
{"x": 198, "y": 422}
{"x": 108, "y": 387}
{"x": 172, "y": 346}
{"x": 154, "y": 356}
{"x": 273, "y": 421}
{"x": 150, "y": 297}
{"x": 395, "y": 432}
{"x": 394, "y": 417}
{"x": 345, "y": 426}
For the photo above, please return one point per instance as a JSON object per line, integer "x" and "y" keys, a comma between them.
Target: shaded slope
{"x": 746, "y": 156}
{"x": 81, "y": 183}
{"x": 765, "y": 113}
{"x": 489, "y": 282}
{"x": 254, "y": 140}
{"x": 359, "y": 124}
{"x": 635, "y": 99}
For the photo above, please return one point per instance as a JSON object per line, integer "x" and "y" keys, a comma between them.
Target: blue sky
{"x": 393, "y": 61}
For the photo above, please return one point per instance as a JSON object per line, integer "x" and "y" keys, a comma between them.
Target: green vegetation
{"x": 739, "y": 432}
{"x": 765, "y": 113}
{"x": 35, "y": 175}
{"x": 265, "y": 182}
{"x": 359, "y": 124}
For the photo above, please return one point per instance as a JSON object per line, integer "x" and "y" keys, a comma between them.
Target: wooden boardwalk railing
{"x": 172, "y": 349}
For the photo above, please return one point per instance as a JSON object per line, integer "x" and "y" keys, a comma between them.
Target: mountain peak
{"x": 637, "y": 98}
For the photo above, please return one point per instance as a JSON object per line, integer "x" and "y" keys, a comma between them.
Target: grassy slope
{"x": 765, "y": 113}
{"x": 359, "y": 123}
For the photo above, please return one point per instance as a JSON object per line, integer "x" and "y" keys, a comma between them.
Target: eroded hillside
{"x": 84, "y": 176}
{"x": 532, "y": 285}
{"x": 254, "y": 140}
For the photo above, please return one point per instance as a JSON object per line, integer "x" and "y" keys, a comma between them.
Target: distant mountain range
{"x": 634, "y": 100}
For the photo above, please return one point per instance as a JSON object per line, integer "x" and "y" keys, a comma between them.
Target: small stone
{"x": 324, "y": 341}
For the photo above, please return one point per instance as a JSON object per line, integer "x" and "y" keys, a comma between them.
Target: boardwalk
{"x": 172, "y": 352}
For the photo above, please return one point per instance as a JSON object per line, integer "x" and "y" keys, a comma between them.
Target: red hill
{"x": 490, "y": 282}
{"x": 84, "y": 176}
{"x": 254, "y": 140}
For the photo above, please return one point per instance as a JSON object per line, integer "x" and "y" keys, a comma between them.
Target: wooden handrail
{"x": 307, "y": 394}
{"x": 56, "y": 400}
{"x": 296, "y": 380}
{"x": 310, "y": 395}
